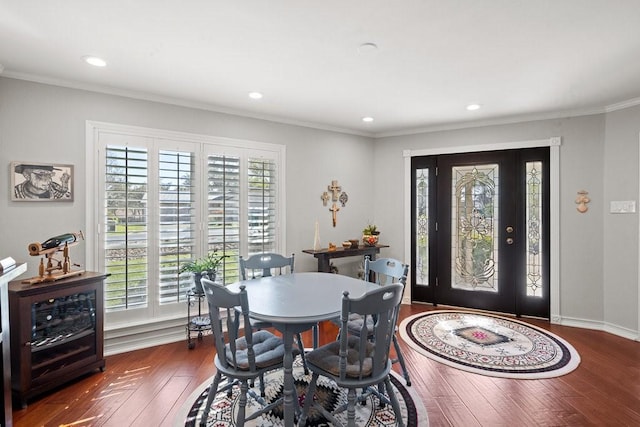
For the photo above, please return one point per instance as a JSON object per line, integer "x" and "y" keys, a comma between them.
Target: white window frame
{"x": 156, "y": 139}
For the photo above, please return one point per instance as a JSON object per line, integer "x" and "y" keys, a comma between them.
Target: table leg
{"x": 316, "y": 335}
{"x": 324, "y": 265}
{"x": 289, "y": 408}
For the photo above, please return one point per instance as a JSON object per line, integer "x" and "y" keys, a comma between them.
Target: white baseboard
{"x": 599, "y": 326}
{"x": 131, "y": 343}
{"x": 127, "y": 339}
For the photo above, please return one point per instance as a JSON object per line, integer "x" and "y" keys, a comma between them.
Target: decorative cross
{"x": 344, "y": 198}
{"x": 335, "y": 193}
{"x": 335, "y": 190}
{"x": 335, "y": 210}
{"x": 325, "y": 198}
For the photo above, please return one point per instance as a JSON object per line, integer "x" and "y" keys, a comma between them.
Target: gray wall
{"x": 599, "y": 153}
{"x": 598, "y": 274}
{"x": 620, "y": 296}
{"x": 43, "y": 123}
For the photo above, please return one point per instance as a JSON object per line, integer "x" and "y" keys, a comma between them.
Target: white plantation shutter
{"x": 177, "y": 224}
{"x": 125, "y": 202}
{"x": 262, "y": 202}
{"x": 223, "y": 211}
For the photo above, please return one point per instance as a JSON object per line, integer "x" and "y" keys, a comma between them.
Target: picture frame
{"x": 41, "y": 182}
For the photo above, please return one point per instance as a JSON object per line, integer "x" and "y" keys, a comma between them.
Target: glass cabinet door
{"x": 63, "y": 330}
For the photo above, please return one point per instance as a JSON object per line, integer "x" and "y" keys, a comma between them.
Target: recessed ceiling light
{"x": 367, "y": 48}
{"x": 472, "y": 107}
{"x": 95, "y": 61}
{"x": 255, "y": 95}
{"x": 367, "y": 119}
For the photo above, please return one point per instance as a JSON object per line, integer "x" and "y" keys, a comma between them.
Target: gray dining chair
{"x": 242, "y": 355}
{"x": 382, "y": 271}
{"x": 356, "y": 361}
{"x": 265, "y": 265}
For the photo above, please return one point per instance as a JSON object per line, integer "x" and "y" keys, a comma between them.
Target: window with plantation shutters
{"x": 163, "y": 199}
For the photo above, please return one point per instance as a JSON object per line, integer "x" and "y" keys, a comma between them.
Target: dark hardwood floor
{"x": 147, "y": 387}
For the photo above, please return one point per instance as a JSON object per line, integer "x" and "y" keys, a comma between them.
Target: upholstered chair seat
{"x": 268, "y": 349}
{"x": 327, "y": 358}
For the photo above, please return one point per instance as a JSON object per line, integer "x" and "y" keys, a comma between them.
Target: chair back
{"x": 379, "y": 308}
{"x": 385, "y": 271}
{"x": 222, "y": 308}
{"x": 264, "y": 265}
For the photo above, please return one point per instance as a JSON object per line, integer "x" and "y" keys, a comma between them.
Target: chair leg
{"x": 381, "y": 391}
{"x": 304, "y": 358}
{"x": 351, "y": 408}
{"x": 308, "y": 399}
{"x": 262, "y": 392}
{"x": 405, "y": 373}
{"x": 244, "y": 387}
{"x": 394, "y": 402}
{"x": 212, "y": 394}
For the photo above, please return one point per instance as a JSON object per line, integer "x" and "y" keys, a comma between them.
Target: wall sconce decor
{"x": 582, "y": 201}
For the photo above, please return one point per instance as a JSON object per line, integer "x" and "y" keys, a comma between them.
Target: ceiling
{"x": 519, "y": 59}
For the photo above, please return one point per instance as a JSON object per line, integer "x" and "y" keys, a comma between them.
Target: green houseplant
{"x": 205, "y": 266}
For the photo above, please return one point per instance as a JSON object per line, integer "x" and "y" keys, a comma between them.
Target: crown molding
{"x": 493, "y": 122}
{"x": 622, "y": 105}
{"x": 145, "y": 96}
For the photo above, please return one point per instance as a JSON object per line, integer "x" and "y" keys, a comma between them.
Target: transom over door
{"x": 480, "y": 231}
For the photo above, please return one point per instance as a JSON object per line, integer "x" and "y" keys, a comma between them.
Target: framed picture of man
{"x": 41, "y": 182}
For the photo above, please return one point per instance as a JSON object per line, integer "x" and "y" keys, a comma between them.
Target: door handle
{"x": 509, "y": 241}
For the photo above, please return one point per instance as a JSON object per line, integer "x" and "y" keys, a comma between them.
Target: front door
{"x": 480, "y": 226}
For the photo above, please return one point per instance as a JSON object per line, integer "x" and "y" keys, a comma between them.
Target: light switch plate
{"x": 623, "y": 206}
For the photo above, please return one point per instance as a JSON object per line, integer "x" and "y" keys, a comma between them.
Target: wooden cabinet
{"x": 6, "y": 418}
{"x": 56, "y": 333}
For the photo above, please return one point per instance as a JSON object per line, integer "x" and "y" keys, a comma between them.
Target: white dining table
{"x": 296, "y": 302}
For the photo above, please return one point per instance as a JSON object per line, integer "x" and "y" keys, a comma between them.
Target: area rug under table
{"x": 413, "y": 411}
{"x": 489, "y": 345}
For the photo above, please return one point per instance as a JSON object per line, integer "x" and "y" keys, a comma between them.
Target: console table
{"x": 324, "y": 255}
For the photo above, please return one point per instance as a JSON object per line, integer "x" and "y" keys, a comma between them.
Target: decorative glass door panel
{"x": 534, "y": 215}
{"x": 422, "y": 226}
{"x": 474, "y": 227}
{"x": 480, "y": 231}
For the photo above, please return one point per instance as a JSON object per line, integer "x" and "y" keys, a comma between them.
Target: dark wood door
{"x": 487, "y": 223}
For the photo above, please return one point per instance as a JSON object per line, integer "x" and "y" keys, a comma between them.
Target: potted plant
{"x": 370, "y": 235}
{"x": 201, "y": 267}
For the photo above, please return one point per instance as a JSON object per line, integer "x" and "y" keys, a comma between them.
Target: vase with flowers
{"x": 370, "y": 235}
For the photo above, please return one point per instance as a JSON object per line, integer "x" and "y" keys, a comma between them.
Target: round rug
{"x": 413, "y": 411}
{"x": 489, "y": 345}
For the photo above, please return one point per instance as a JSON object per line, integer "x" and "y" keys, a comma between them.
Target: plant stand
{"x": 197, "y": 324}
